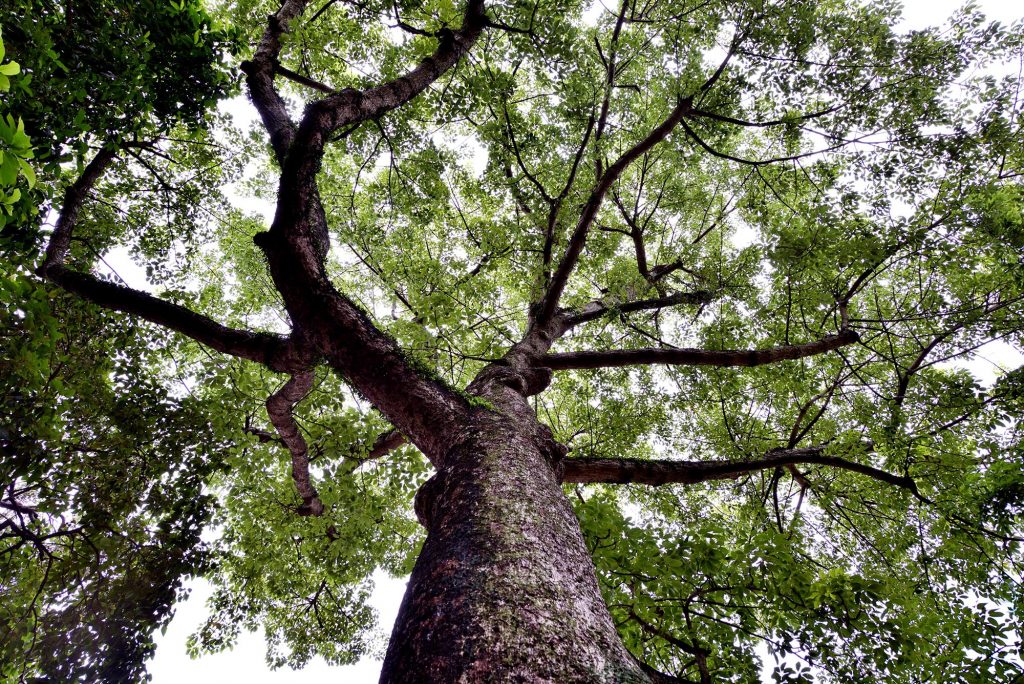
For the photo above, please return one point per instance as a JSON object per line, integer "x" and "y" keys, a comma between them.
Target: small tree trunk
{"x": 504, "y": 589}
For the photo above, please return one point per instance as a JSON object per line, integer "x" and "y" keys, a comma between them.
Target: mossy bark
{"x": 504, "y": 589}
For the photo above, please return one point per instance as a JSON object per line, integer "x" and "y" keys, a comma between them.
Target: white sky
{"x": 245, "y": 663}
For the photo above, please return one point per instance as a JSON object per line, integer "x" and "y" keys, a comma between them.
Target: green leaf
{"x": 8, "y": 170}
{"x": 28, "y": 172}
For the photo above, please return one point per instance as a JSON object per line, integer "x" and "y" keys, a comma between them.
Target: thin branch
{"x": 704, "y": 114}
{"x": 659, "y": 677}
{"x": 753, "y": 162}
{"x": 697, "y": 357}
{"x": 382, "y": 446}
{"x": 548, "y": 305}
{"x": 610, "y": 72}
{"x": 303, "y": 80}
{"x": 700, "y": 654}
{"x": 661, "y": 472}
{"x": 597, "y": 309}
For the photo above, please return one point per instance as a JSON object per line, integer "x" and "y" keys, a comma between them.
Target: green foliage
{"x": 896, "y": 208}
{"x": 15, "y": 153}
{"x": 105, "y": 468}
{"x": 99, "y": 73}
{"x": 115, "y": 70}
{"x": 104, "y": 496}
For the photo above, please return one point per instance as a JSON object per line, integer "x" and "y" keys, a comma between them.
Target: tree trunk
{"x": 504, "y": 589}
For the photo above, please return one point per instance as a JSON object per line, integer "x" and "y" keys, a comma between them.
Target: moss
{"x": 477, "y": 402}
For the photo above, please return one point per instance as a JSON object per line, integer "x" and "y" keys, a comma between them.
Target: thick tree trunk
{"x": 504, "y": 589}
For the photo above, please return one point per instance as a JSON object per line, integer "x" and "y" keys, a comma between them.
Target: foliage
{"x": 15, "y": 151}
{"x": 105, "y": 73}
{"x": 835, "y": 174}
{"x": 91, "y": 565}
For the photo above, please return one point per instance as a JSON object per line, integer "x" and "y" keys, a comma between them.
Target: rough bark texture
{"x": 504, "y": 589}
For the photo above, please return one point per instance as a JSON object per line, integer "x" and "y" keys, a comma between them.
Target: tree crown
{"x": 736, "y": 255}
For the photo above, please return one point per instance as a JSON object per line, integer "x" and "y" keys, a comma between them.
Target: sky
{"x": 245, "y": 663}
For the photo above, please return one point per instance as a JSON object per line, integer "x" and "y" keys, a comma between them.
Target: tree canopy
{"x": 736, "y": 256}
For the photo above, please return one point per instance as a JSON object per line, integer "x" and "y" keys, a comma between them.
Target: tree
{"x": 669, "y": 300}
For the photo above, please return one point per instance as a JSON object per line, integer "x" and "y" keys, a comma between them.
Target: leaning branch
{"x": 548, "y": 305}
{"x": 279, "y": 408}
{"x": 349, "y": 106}
{"x": 697, "y": 357}
{"x": 74, "y": 199}
{"x": 385, "y": 443}
{"x": 597, "y": 309}
{"x": 274, "y": 351}
{"x": 661, "y": 472}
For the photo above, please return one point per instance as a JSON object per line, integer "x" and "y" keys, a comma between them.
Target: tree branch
{"x": 303, "y": 80}
{"x": 659, "y": 677}
{"x": 548, "y": 305}
{"x": 349, "y": 106}
{"x": 697, "y": 357}
{"x": 279, "y": 408}
{"x": 385, "y": 443}
{"x": 753, "y": 162}
{"x": 661, "y": 472}
{"x": 74, "y": 200}
{"x": 259, "y": 72}
{"x": 597, "y": 309}
{"x": 276, "y": 352}
{"x": 700, "y": 654}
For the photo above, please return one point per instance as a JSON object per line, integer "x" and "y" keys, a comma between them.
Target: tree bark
{"x": 504, "y": 589}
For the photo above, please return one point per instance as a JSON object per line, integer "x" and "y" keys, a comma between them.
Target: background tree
{"x": 730, "y": 255}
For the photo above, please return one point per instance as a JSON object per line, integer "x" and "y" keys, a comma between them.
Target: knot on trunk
{"x": 524, "y": 381}
{"x": 426, "y": 496}
{"x": 553, "y": 450}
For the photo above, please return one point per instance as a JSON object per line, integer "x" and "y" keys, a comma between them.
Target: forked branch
{"x": 274, "y": 351}
{"x": 349, "y": 106}
{"x": 548, "y": 305}
{"x": 260, "y": 71}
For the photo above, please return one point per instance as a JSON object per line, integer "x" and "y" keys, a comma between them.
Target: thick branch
{"x": 74, "y": 200}
{"x": 273, "y": 351}
{"x": 276, "y": 352}
{"x": 349, "y": 106}
{"x": 300, "y": 218}
{"x": 660, "y": 472}
{"x": 279, "y": 408}
{"x": 260, "y": 72}
{"x": 297, "y": 243}
{"x": 697, "y": 357}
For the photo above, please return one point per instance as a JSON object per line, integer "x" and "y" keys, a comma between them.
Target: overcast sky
{"x": 245, "y": 663}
